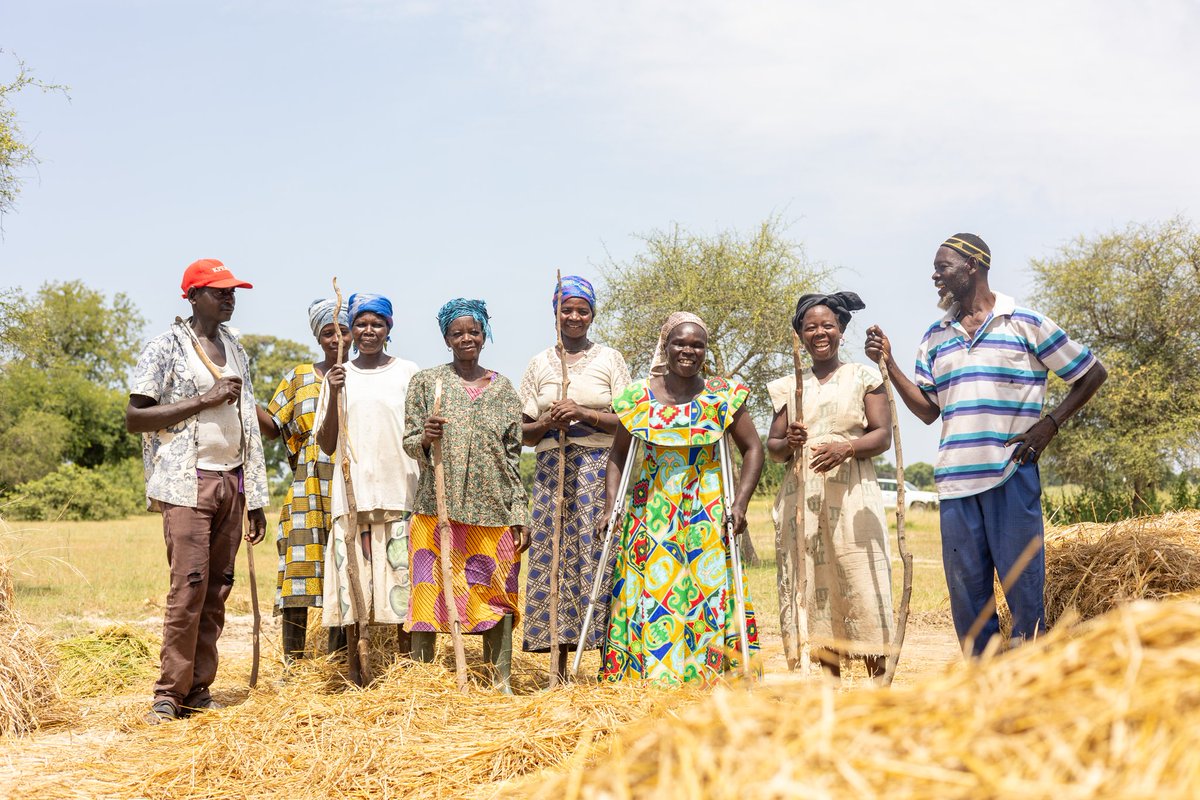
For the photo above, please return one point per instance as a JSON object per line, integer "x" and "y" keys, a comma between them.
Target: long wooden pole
{"x": 360, "y": 649}
{"x": 559, "y": 511}
{"x": 446, "y": 544}
{"x": 255, "y": 646}
{"x": 906, "y": 557}
{"x": 799, "y": 543}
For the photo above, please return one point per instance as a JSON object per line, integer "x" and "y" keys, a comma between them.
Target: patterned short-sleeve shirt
{"x": 169, "y": 455}
{"x": 991, "y": 387}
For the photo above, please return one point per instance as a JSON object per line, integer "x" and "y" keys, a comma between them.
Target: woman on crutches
{"x": 596, "y": 374}
{"x": 674, "y": 601}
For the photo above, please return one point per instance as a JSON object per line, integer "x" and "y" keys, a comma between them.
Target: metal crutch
{"x": 614, "y": 522}
{"x": 735, "y": 555}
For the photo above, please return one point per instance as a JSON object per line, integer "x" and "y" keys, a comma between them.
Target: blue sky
{"x": 429, "y": 150}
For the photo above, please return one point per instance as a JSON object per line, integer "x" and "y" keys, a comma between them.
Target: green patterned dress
{"x": 672, "y": 616}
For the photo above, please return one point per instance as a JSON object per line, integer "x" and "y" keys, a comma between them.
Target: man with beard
{"x": 204, "y": 467}
{"x": 982, "y": 370}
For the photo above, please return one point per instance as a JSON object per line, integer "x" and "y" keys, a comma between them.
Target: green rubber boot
{"x": 497, "y": 651}
{"x": 424, "y": 643}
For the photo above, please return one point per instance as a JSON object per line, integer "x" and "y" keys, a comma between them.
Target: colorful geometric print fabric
{"x": 304, "y": 519}
{"x": 990, "y": 387}
{"x": 485, "y": 569}
{"x": 673, "y": 618}
{"x": 700, "y": 422}
{"x": 579, "y": 555}
{"x": 382, "y": 557}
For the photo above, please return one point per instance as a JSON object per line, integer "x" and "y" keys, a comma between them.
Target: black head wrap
{"x": 970, "y": 246}
{"x": 840, "y": 303}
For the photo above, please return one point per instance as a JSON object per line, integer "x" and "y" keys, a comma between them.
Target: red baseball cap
{"x": 210, "y": 272}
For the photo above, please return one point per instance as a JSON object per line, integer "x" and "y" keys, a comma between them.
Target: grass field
{"x": 70, "y": 577}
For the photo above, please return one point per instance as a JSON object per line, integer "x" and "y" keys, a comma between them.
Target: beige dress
{"x": 849, "y": 593}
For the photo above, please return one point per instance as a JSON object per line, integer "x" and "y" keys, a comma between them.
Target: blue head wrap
{"x": 575, "y": 286}
{"x": 375, "y": 303}
{"x": 462, "y": 307}
{"x": 320, "y": 314}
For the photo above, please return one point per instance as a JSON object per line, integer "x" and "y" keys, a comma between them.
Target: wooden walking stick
{"x": 901, "y": 542}
{"x": 446, "y": 544}
{"x": 358, "y": 651}
{"x": 255, "y": 647}
{"x": 799, "y": 543}
{"x": 556, "y": 536}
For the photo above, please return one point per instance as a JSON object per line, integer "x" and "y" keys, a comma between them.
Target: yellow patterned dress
{"x": 304, "y": 518}
{"x": 672, "y": 616}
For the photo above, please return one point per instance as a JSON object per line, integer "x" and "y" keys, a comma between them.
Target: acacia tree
{"x": 1132, "y": 296}
{"x": 16, "y": 155}
{"x": 744, "y": 287}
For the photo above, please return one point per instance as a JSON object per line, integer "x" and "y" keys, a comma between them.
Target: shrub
{"x": 111, "y": 491}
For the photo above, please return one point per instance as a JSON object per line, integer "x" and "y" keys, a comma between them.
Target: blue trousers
{"x": 983, "y": 535}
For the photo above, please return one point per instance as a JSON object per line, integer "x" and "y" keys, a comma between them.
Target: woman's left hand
{"x": 737, "y": 515}
{"x": 567, "y": 411}
{"x": 521, "y": 534}
{"x": 831, "y": 455}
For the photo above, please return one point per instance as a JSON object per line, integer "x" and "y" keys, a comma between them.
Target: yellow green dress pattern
{"x": 304, "y": 519}
{"x": 672, "y": 617}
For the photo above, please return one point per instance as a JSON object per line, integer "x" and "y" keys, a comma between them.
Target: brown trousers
{"x": 202, "y": 543}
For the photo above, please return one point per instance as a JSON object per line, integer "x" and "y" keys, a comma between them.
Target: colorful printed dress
{"x": 673, "y": 617}
{"x": 481, "y": 451}
{"x": 304, "y": 519}
{"x": 595, "y": 379}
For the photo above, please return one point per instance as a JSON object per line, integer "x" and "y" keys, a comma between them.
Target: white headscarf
{"x": 658, "y": 366}
{"x": 320, "y": 314}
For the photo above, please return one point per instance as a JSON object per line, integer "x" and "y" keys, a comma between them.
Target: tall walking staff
{"x": 358, "y": 650}
{"x": 902, "y": 543}
{"x": 799, "y": 543}
{"x": 615, "y": 521}
{"x": 255, "y": 648}
{"x": 735, "y": 554}
{"x": 446, "y": 544}
{"x": 556, "y": 536}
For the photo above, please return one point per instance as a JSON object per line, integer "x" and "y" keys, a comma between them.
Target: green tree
{"x": 1132, "y": 296}
{"x": 33, "y": 446}
{"x": 920, "y": 475}
{"x": 16, "y": 155}
{"x": 270, "y": 359}
{"x": 71, "y": 325}
{"x": 744, "y": 287}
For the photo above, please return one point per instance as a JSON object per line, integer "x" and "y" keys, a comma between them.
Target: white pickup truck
{"x": 914, "y": 498}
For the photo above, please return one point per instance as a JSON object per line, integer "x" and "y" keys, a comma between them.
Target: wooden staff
{"x": 446, "y": 544}
{"x": 556, "y": 536}
{"x": 255, "y": 646}
{"x": 799, "y": 544}
{"x": 901, "y": 542}
{"x": 360, "y": 649}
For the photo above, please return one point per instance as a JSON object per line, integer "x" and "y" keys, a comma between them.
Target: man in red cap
{"x": 204, "y": 468}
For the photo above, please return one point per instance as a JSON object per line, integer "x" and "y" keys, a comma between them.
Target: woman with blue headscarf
{"x": 304, "y": 519}
{"x": 479, "y": 426}
{"x": 596, "y": 375}
{"x": 383, "y": 477}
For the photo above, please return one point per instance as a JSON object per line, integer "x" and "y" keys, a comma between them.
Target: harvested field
{"x": 1110, "y": 708}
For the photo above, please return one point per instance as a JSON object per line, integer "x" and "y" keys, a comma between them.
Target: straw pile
{"x": 1092, "y": 568}
{"x": 412, "y": 735}
{"x": 110, "y": 659}
{"x": 1110, "y": 708}
{"x": 28, "y": 694}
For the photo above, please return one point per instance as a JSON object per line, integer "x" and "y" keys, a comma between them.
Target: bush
{"x": 111, "y": 491}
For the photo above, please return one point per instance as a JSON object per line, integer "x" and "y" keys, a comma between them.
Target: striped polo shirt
{"x": 990, "y": 388}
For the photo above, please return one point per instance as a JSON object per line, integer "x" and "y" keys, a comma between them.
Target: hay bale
{"x": 101, "y": 662}
{"x": 28, "y": 692}
{"x": 1110, "y": 708}
{"x": 410, "y": 735}
{"x": 1093, "y": 567}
